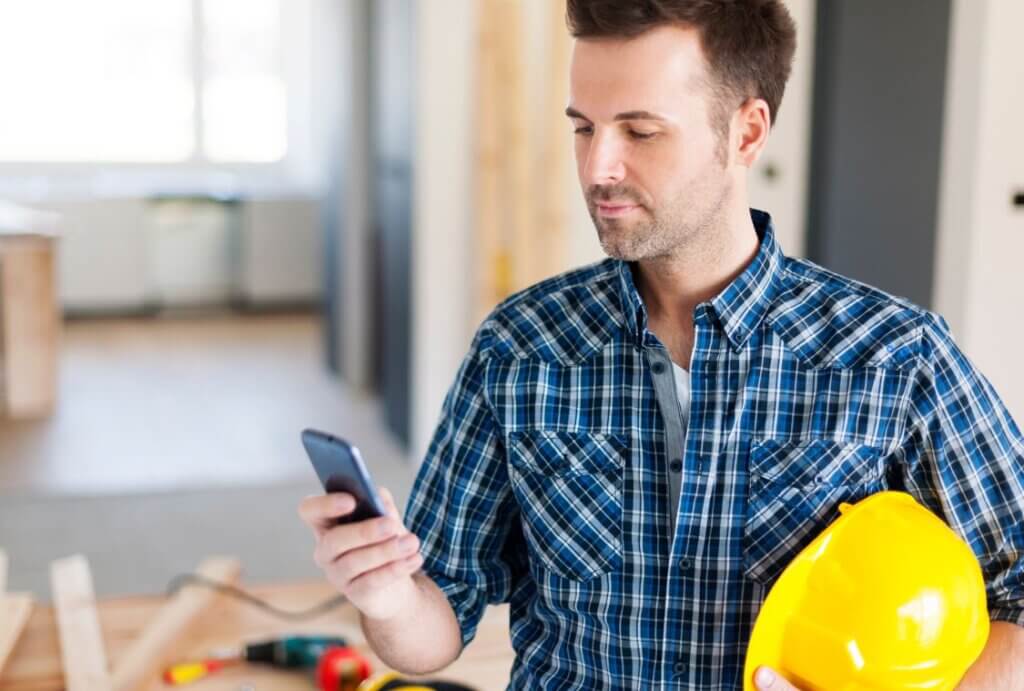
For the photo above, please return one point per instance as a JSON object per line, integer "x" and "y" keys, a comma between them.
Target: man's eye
{"x": 641, "y": 135}
{"x": 583, "y": 130}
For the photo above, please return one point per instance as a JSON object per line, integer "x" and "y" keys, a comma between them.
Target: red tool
{"x": 342, "y": 669}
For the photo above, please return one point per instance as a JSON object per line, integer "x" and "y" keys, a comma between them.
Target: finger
{"x": 767, "y": 679}
{"x": 357, "y": 562}
{"x": 343, "y": 538}
{"x": 320, "y": 511}
{"x": 389, "y": 502}
{"x": 384, "y": 576}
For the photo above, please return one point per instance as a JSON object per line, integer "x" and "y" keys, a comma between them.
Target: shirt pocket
{"x": 569, "y": 489}
{"x": 796, "y": 488}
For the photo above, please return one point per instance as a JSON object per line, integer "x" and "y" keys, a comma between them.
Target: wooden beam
{"x": 517, "y": 196}
{"x": 553, "y": 219}
{"x": 493, "y": 265}
{"x": 142, "y": 662}
{"x": 15, "y": 609}
{"x": 81, "y": 641}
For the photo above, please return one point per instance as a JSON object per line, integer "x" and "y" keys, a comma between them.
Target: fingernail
{"x": 764, "y": 677}
{"x": 385, "y": 527}
{"x": 343, "y": 503}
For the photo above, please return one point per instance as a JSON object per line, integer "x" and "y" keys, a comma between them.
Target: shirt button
{"x": 676, "y": 465}
{"x": 685, "y": 564}
{"x": 679, "y": 667}
{"x": 658, "y": 367}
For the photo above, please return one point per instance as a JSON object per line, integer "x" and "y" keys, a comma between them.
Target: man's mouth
{"x": 615, "y": 210}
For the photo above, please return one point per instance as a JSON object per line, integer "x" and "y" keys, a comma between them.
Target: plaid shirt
{"x": 635, "y": 555}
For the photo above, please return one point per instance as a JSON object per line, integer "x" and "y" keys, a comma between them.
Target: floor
{"x": 176, "y": 438}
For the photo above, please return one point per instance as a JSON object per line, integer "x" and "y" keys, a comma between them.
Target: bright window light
{"x": 117, "y": 80}
{"x": 244, "y": 96}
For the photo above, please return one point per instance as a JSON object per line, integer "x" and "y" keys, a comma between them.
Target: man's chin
{"x": 617, "y": 241}
{"x": 619, "y": 250}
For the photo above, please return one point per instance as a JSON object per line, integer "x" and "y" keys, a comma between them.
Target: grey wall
{"x": 879, "y": 89}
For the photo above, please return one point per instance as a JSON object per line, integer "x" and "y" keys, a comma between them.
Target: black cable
{"x": 181, "y": 580}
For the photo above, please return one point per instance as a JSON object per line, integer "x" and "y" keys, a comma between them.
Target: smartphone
{"x": 341, "y": 469}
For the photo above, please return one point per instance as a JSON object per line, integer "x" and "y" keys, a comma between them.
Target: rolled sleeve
{"x": 964, "y": 459}
{"x": 461, "y": 506}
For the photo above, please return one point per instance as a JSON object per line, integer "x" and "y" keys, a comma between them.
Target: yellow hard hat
{"x": 887, "y": 597}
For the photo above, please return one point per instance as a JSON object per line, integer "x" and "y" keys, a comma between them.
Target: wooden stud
{"x": 522, "y": 218}
{"x": 518, "y": 197}
{"x": 142, "y": 662}
{"x": 15, "y": 609}
{"x": 81, "y": 641}
{"x": 552, "y": 226}
{"x": 492, "y": 273}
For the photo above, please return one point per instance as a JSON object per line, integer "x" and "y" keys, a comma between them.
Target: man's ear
{"x": 750, "y": 126}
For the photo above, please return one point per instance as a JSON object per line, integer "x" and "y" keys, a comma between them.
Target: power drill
{"x": 291, "y": 652}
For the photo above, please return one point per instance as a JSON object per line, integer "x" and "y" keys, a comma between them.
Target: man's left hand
{"x": 767, "y": 679}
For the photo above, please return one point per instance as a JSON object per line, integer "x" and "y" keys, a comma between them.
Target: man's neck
{"x": 672, "y": 286}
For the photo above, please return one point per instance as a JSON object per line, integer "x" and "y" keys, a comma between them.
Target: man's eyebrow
{"x": 628, "y": 115}
{"x": 638, "y": 115}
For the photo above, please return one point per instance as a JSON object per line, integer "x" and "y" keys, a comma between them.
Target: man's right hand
{"x": 370, "y": 562}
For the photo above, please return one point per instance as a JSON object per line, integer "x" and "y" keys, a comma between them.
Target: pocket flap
{"x": 813, "y": 462}
{"x": 554, "y": 452}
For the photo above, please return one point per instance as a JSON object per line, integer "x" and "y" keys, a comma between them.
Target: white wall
{"x": 978, "y": 283}
{"x": 442, "y": 255}
{"x": 788, "y": 148}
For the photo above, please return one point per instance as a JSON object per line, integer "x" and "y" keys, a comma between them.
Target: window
{"x": 159, "y": 81}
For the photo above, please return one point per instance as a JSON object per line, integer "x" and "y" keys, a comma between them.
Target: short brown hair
{"x": 748, "y": 44}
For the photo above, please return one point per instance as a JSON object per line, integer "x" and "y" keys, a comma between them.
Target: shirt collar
{"x": 740, "y": 307}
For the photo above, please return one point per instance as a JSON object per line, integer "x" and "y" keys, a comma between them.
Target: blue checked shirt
{"x": 635, "y": 555}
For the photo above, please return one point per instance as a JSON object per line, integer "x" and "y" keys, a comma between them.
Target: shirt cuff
{"x": 467, "y": 602}
{"x": 1011, "y": 614}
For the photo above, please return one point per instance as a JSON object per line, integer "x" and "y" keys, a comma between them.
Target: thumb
{"x": 767, "y": 679}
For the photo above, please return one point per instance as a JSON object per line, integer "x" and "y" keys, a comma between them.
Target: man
{"x": 632, "y": 452}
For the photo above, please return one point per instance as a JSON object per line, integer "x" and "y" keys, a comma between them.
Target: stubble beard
{"x": 666, "y": 233}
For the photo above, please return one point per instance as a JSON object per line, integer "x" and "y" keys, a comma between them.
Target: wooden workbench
{"x": 35, "y": 661}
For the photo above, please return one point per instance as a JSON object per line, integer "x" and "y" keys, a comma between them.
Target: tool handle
{"x": 188, "y": 672}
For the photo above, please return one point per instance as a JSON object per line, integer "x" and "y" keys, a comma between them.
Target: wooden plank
{"x": 552, "y": 229}
{"x": 81, "y": 642}
{"x": 485, "y": 664}
{"x": 493, "y": 274}
{"x": 29, "y": 326}
{"x": 147, "y": 656}
{"x": 518, "y": 197}
{"x": 15, "y": 609}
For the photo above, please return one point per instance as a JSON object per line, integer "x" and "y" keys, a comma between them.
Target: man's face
{"x": 649, "y": 162}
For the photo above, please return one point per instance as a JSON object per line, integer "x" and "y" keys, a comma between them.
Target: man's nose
{"x": 605, "y": 164}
